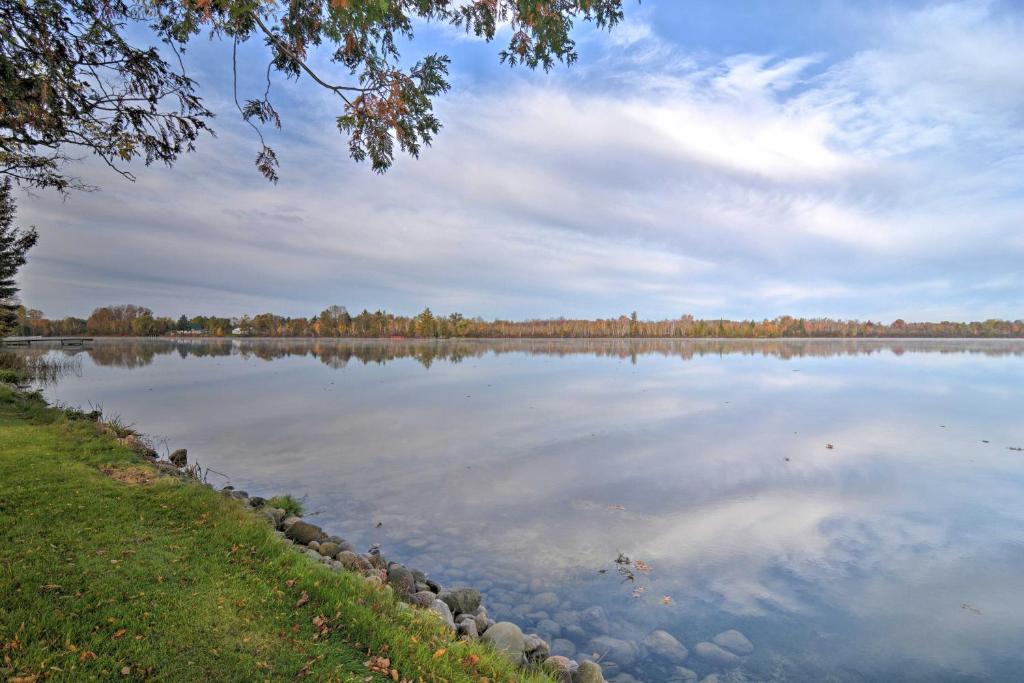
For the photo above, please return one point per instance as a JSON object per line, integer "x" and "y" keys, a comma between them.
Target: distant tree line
{"x": 335, "y": 321}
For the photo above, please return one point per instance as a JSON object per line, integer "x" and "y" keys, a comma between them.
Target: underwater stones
{"x": 563, "y": 648}
{"x": 622, "y": 652}
{"x": 595, "y": 620}
{"x": 734, "y": 641}
{"x": 714, "y": 654}
{"x": 666, "y": 646}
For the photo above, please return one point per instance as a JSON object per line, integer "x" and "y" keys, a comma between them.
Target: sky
{"x": 740, "y": 160}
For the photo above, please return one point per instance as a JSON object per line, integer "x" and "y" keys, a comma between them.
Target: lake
{"x": 855, "y": 508}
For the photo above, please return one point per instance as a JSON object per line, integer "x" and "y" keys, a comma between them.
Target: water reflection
{"x": 525, "y": 467}
{"x": 131, "y": 353}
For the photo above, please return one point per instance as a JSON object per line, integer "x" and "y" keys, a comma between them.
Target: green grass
{"x": 108, "y": 570}
{"x": 287, "y": 503}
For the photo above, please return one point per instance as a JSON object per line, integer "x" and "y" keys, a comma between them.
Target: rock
{"x": 546, "y": 600}
{"x": 275, "y": 514}
{"x": 537, "y": 649}
{"x": 467, "y": 629}
{"x": 508, "y": 639}
{"x": 312, "y": 554}
{"x": 336, "y": 566}
{"x": 734, "y": 641}
{"x": 400, "y": 579}
{"x": 562, "y": 647}
{"x": 461, "y": 600}
{"x": 445, "y": 613}
{"x": 549, "y": 628}
{"x": 355, "y": 563}
{"x": 434, "y": 586}
{"x": 315, "y": 545}
{"x": 624, "y": 678}
{"x": 594, "y": 619}
{"x": 622, "y": 652}
{"x": 567, "y": 618}
{"x": 589, "y": 672}
{"x": 422, "y": 598}
{"x": 714, "y": 654}
{"x": 710, "y": 678}
{"x": 304, "y": 532}
{"x": 288, "y": 521}
{"x": 681, "y": 674}
{"x": 329, "y": 548}
{"x": 179, "y": 458}
{"x": 341, "y": 543}
{"x": 270, "y": 516}
{"x": 663, "y": 644}
{"x": 376, "y": 559}
{"x": 257, "y": 502}
{"x": 562, "y": 668}
{"x": 480, "y": 617}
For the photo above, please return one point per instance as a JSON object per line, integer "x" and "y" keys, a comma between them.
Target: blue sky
{"x": 721, "y": 159}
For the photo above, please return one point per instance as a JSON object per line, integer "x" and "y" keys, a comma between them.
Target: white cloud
{"x": 648, "y": 178}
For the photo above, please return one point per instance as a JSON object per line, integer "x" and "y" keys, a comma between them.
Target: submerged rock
{"x": 734, "y": 641}
{"x": 563, "y": 648}
{"x": 714, "y": 654}
{"x": 680, "y": 674}
{"x": 508, "y": 639}
{"x": 622, "y": 652}
{"x": 594, "y": 619}
{"x": 663, "y": 644}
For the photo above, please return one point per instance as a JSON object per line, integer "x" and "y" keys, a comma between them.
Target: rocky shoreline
{"x": 460, "y": 608}
{"x": 463, "y": 611}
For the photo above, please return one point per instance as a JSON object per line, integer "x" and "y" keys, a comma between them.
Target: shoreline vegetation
{"x": 337, "y": 322}
{"x": 114, "y": 564}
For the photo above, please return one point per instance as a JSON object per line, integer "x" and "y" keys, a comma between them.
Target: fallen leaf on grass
{"x": 440, "y": 651}
{"x": 303, "y": 599}
{"x": 119, "y": 633}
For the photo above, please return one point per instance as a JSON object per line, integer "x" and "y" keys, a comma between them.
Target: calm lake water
{"x": 525, "y": 467}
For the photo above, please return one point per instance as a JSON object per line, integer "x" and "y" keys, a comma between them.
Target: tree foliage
{"x": 14, "y": 245}
{"x": 73, "y": 77}
{"x": 336, "y": 322}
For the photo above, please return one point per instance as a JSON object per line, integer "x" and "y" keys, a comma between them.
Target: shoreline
{"x": 382, "y": 635}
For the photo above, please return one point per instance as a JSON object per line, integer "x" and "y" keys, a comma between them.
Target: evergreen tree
{"x": 14, "y": 244}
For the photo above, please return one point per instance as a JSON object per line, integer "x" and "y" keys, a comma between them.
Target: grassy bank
{"x": 108, "y": 569}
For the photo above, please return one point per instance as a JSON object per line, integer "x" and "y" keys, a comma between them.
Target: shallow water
{"x": 525, "y": 467}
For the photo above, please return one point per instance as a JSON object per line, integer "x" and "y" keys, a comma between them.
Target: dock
{"x": 29, "y": 341}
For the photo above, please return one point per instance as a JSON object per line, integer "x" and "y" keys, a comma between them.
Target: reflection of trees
{"x": 337, "y": 353}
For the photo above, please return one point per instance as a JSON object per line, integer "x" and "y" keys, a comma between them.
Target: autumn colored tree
{"x": 14, "y": 245}
{"x": 77, "y": 74}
